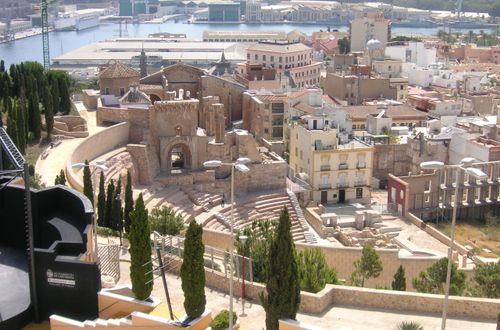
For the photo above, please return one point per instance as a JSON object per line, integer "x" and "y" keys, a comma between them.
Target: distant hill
{"x": 484, "y": 6}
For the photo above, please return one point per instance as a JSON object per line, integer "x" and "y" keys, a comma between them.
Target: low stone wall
{"x": 94, "y": 146}
{"x": 415, "y": 302}
{"x": 70, "y": 126}
{"x": 295, "y": 325}
{"x": 120, "y": 302}
{"x": 331, "y": 295}
{"x": 435, "y": 233}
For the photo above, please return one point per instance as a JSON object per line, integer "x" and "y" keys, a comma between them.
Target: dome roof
{"x": 374, "y": 44}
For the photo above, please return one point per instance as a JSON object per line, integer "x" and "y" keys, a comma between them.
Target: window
{"x": 122, "y": 91}
{"x": 401, "y": 87}
{"x": 296, "y": 151}
{"x": 272, "y": 58}
{"x": 256, "y": 57}
{"x": 301, "y": 154}
{"x": 106, "y": 92}
{"x": 280, "y": 60}
{"x": 359, "y": 193}
{"x": 248, "y": 56}
{"x": 263, "y": 57}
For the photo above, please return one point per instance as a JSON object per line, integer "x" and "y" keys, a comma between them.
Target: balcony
{"x": 342, "y": 184}
{"x": 324, "y": 168}
{"x": 360, "y": 183}
{"x": 343, "y": 166}
{"x": 361, "y": 165}
{"x": 325, "y": 186}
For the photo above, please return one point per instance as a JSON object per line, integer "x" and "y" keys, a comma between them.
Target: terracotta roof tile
{"x": 119, "y": 70}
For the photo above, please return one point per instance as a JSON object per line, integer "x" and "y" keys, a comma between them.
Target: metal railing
{"x": 361, "y": 165}
{"x": 215, "y": 259}
{"x": 324, "y": 167}
{"x": 109, "y": 260}
{"x": 342, "y": 184}
{"x": 343, "y": 166}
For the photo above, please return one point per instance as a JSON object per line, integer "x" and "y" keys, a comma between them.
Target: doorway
{"x": 341, "y": 196}
{"x": 324, "y": 197}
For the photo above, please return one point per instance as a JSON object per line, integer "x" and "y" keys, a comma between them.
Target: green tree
{"x": 108, "y": 214}
{"x": 368, "y": 266}
{"x": 344, "y": 45}
{"x": 65, "y": 102}
{"x": 193, "y": 272}
{"x": 282, "y": 285}
{"x": 20, "y": 110}
{"x": 164, "y": 221}
{"x": 88, "y": 190}
{"x": 54, "y": 91}
{"x": 48, "y": 108}
{"x": 433, "y": 279}
{"x": 399, "y": 282}
{"x": 141, "y": 274}
{"x": 12, "y": 125}
{"x": 129, "y": 203}
{"x": 34, "y": 112}
{"x": 314, "y": 272}
{"x": 487, "y": 279}
{"x": 60, "y": 178}
{"x": 101, "y": 202}
{"x": 116, "y": 208}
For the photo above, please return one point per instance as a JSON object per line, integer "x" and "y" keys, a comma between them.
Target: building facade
{"x": 337, "y": 173}
{"x": 363, "y": 29}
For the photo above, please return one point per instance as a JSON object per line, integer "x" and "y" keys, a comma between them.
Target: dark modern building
{"x": 224, "y": 12}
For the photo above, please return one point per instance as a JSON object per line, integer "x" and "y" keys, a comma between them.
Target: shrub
{"x": 221, "y": 320}
{"x": 409, "y": 326}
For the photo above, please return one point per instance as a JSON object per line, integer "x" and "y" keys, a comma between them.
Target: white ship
{"x": 78, "y": 20}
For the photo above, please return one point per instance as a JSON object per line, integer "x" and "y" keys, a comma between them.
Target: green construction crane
{"x": 45, "y": 35}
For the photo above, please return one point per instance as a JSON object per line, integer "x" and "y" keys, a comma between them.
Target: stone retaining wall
{"x": 331, "y": 295}
{"x": 94, "y": 146}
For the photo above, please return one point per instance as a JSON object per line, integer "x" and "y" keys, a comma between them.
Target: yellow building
{"x": 337, "y": 171}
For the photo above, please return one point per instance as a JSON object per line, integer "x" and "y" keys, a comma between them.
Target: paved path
{"x": 337, "y": 318}
{"x": 56, "y": 160}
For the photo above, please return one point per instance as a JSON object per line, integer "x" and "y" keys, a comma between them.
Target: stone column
{"x": 219, "y": 122}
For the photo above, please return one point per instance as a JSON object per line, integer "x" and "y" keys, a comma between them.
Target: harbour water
{"x": 30, "y": 49}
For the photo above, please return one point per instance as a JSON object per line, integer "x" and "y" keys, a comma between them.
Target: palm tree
{"x": 483, "y": 37}
{"x": 409, "y": 326}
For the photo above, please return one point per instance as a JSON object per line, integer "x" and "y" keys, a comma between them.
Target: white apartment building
{"x": 337, "y": 173}
{"x": 295, "y": 59}
{"x": 363, "y": 29}
{"x": 253, "y": 11}
{"x": 420, "y": 53}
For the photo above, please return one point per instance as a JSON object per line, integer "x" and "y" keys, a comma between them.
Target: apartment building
{"x": 291, "y": 58}
{"x": 363, "y": 29}
{"x": 354, "y": 89}
{"x": 337, "y": 172}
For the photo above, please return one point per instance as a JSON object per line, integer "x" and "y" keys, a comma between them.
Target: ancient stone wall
{"x": 390, "y": 158}
{"x": 229, "y": 93}
{"x": 137, "y": 117}
{"x": 94, "y": 146}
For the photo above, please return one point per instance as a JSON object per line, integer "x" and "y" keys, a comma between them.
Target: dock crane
{"x": 45, "y": 34}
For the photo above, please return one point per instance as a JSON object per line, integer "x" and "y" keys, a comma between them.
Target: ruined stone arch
{"x": 154, "y": 98}
{"x": 177, "y": 155}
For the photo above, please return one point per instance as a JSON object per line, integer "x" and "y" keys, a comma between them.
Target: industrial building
{"x": 159, "y": 52}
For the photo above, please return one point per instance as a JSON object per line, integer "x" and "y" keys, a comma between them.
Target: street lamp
{"x": 243, "y": 240}
{"x": 99, "y": 164}
{"x": 239, "y": 164}
{"x": 474, "y": 172}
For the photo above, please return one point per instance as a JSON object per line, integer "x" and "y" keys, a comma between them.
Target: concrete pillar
{"x": 359, "y": 220}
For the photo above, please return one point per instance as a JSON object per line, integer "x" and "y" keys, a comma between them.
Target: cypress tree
{"x": 141, "y": 275}
{"x": 20, "y": 111}
{"x": 12, "y": 125}
{"x": 129, "y": 203}
{"x": 2, "y": 66}
{"x": 399, "y": 283}
{"x": 108, "y": 213}
{"x": 101, "y": 202}
{"x": 282, "y": 285}
{"x": 116, "y": 207}
{"x": 35, "y": 113}
{"x": 54, "y": 89}
{"x": 65, "y": 102}
{"x": 193, "y": 272}
{"x": 62, "y": 178}
{"x": 48, "y": 109}
{"x": 88, "y": 190}
{"x": 24, "y": 110}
